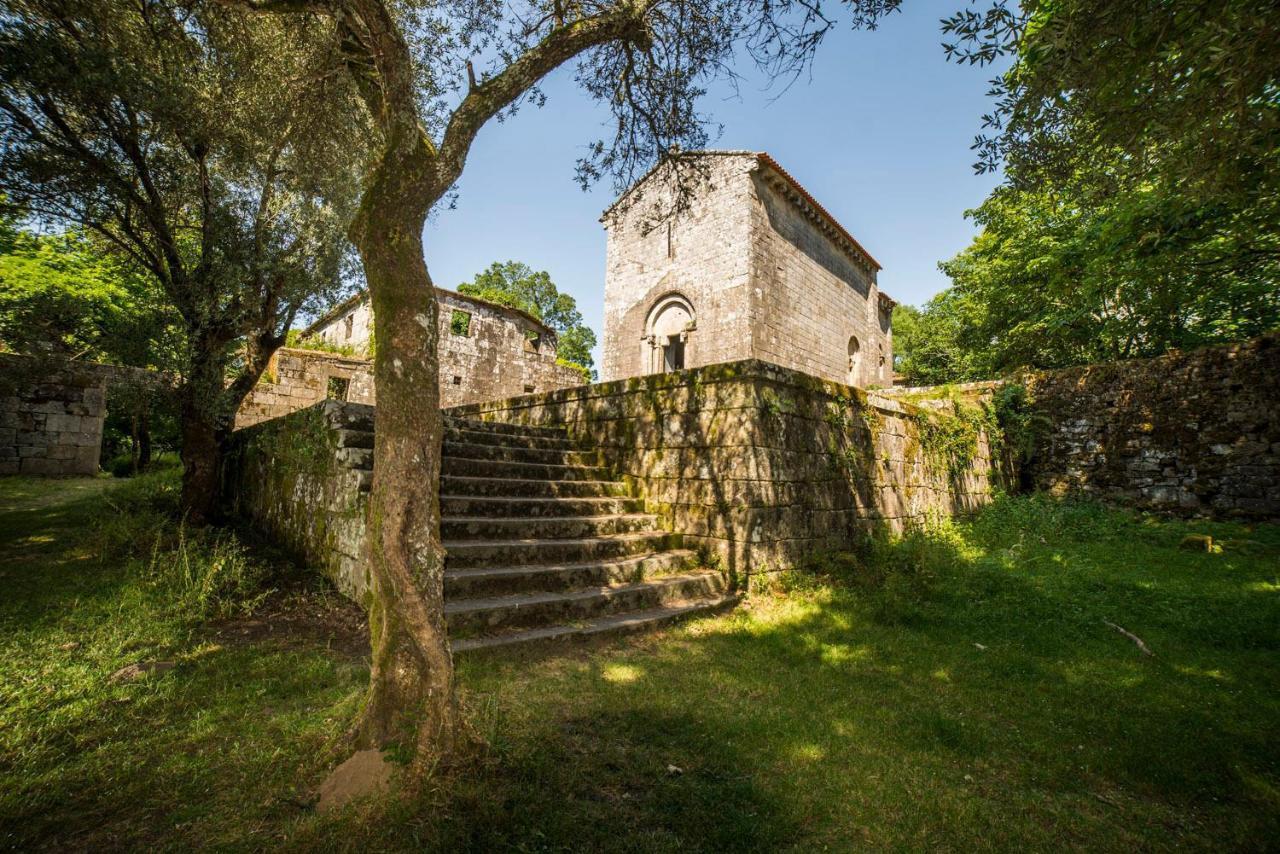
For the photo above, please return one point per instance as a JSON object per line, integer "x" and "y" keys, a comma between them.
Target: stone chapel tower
{"x": 755, "y": 268}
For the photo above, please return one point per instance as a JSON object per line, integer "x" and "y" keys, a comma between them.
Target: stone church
{"x": 753, "y": 268}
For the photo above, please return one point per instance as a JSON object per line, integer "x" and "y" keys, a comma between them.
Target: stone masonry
{"x": 541, "y": 542}
{"x": 50, "y": 419}
{"x": 1192, "y": 433}
{"x": 487, "y": 351}
{"x": 754, "y": 268}
{"x": 758, "y": 465}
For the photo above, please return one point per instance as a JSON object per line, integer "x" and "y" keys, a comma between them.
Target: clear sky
{"x": 880, "y": 136}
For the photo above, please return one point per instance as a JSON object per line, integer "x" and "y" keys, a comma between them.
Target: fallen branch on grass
{"x": 1131, "y": 636}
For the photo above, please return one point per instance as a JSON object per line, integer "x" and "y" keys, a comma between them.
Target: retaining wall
{"x": 760, "y": 465}
{"x": 1191, "y": 433}
{"x": 50, "y": 417}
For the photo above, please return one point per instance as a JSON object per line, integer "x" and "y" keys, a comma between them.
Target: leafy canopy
{"x": 1141, "y": 149}
{"x": 212, "y": 149}
{"x": 63, "y": 295}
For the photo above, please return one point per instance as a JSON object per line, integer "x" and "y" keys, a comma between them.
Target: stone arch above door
{"x": 666, "y": 334}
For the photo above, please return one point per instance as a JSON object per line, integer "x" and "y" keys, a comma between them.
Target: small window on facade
{"x": 671, "y": 249}
{"x": 532, "y": 341}
{"x": 460, "y": 323}
{"x": 855, "y": 360}
{"x": 457, "y": 380}
{"x": 348, "y": 324}
{"x": 673, "y": 354}
{"x": 338, "y": 388}
{"x": 528, "y": 389}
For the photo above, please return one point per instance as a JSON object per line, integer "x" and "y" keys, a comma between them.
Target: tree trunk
{"x": 204, "y": 427}
{"x": 144, "y": 438}
{"x": 411, "y": 693}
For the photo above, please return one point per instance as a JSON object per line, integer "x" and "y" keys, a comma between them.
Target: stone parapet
{"x": 760, "y": 465}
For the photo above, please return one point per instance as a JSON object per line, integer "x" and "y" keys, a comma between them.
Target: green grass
{"x": 957, "y": 690}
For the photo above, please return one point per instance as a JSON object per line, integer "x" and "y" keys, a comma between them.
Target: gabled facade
{"x": 754, "y": 268}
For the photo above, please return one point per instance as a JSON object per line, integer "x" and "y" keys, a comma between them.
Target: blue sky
{"x": 880, "y": 136}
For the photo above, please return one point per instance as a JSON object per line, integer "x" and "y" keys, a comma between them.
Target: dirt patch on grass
{"x": 301, "y": 618}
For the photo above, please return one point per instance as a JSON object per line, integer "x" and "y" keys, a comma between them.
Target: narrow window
{"x": 855, "y": 360}
{"x": 532, "y": 340}
{"x": 348, "y": 323}
{"x": 671, "y": 250}
{"x": 673, "y": 354}
{"x": 460, "y": 323}
{"x": 338, "y": 388}
{"x": 457, "y": 380}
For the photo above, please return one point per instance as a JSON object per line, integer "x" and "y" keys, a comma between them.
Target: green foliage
{"x": 972, "y": 668}
{"x": 1019, "y": 425}
{"x": 203, "y": 572}
{"x": 514, "y": 284}
{"x": 1138, "y": 213}
{"x": 64, "y": 294}
{"x": 295, "y": 339}
{"x": 460, "y": 323}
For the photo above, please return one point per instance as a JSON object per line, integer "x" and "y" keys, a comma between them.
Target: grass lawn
{"x": 963, "y": 691}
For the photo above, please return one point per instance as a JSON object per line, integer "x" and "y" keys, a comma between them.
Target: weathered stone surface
{"x": 1187, "y": 433}
{"x": 757, "y": 464}
{"x": 496, "y": 358}
{"x": 50, "y": 416}
{"x": 753, "y": 269}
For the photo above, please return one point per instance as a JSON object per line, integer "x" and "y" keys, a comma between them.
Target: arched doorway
{"x": 855, "y": 360}
{"x": 667, "y": 334}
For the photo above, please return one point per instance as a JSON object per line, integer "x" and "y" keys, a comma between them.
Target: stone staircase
{"x": 544, "y": 545}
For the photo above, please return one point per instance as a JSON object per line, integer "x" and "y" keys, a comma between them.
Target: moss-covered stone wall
{"x": 760, "y": 466}
{"x": 303, "y": 479}
{"x": 1191, "y": 433}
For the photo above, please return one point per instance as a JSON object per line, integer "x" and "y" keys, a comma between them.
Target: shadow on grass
{"x": 963, "y": 692}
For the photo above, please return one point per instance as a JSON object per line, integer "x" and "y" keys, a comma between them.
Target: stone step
{"x": 494, "y": 581}
{"x": 522, "y": 610}
{"x": 355, "y": 438}
{"x": 500, "y": 427}
{"x": 554, "y": 527}
{"x": 545, "y": 507}
{"x": 514, "y": 487}
{"x": 503, "y": 469}
{"x": 466, "y": 554}
{"x": 511, "y": 453}
{"x": 356, "y": 458}
{"x": 601, "y": 627}
{"x": 480, "y": 437}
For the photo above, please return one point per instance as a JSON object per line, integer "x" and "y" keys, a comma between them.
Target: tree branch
{"x": 489, "y": 98}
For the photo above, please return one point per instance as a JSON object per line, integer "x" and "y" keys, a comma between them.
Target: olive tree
{"x": 209, "y": 148}
{"x": 431, "y": 74}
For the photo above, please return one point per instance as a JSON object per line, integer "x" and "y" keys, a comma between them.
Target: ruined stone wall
{"x": 760, "y": 465}
{"x": 296, "y": 379}
{"x": 704, "y": 254}
{"x": 1195, "y": 432}
{"x": 50, "y": 417}
{"x": 810, "y": 297}
{"x": 300, "y": 479}
{"x": 495, "y": 359}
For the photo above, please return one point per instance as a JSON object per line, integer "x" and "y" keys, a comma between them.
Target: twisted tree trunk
{"x": 411, "y": 693}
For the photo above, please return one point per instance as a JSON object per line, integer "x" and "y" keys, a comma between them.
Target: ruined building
{"x": 753, "y": 268}
{"x": 487, "y": 352}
